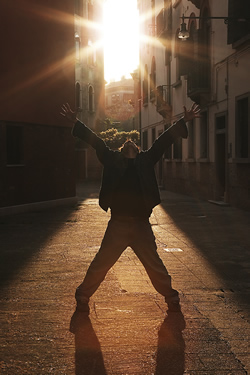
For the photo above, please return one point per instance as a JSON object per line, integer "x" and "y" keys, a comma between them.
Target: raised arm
{"x": 81, "y": 131}
{"x": 169, "y": 136}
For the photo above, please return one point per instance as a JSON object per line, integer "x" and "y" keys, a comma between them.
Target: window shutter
{"x": 238, "y": 29}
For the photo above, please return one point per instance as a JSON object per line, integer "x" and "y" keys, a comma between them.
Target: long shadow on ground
{"x": 170, "y": 358}
{"x": 220, "y": 233}
{"x": 22, "y": 236}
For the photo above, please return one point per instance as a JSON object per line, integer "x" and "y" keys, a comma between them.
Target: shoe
{"x": 80, "y": 315}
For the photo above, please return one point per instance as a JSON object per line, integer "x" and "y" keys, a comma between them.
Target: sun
{"x": 121, "y": 38}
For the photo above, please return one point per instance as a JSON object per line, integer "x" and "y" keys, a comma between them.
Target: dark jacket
{"x": 114, "y": 163}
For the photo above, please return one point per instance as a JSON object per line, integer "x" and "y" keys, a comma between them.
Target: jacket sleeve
{"x": 166, "y": 139}
{"x": 81, "y": 131}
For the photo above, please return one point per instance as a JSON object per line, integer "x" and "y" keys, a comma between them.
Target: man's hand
{"x": 192, "y": 113}
{"x": 67, "y": 112}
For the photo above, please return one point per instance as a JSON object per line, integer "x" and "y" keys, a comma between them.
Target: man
{"x": 129, "y": 188}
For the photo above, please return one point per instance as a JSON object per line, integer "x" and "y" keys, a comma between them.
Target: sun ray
{"x": 42, "y": 76}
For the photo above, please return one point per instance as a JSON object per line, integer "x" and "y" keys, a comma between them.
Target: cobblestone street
{"x": 45, "y": 254}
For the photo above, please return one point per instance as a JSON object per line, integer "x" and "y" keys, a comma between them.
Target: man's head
{"x": 129, "y": 149}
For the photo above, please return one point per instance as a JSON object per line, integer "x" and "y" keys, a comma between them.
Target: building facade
{"x": 209, "y": 68}
{"x": 89, "y": 84}
{"x": 119, "y": 103}
{"x": 37, "y": 75}
{"x": 43, "y": 65}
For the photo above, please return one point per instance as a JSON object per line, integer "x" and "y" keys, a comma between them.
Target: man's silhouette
{"x": 129, "y": 189}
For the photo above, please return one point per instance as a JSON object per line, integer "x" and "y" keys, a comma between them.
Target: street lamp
{"x": 184, "y": 34}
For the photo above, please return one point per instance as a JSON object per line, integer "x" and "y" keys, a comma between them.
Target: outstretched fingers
{"x": 66, "y": 110}
{"x": 195, "y": 109}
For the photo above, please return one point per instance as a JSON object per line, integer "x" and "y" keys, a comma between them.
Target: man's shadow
{"x": 170, "y": 358}
{"x": 88, "y": 354}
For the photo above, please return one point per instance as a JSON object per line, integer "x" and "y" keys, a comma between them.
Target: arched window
{"x": 153, "y": 79}
{"x": 91, "y": 99}
{"x": 77, "y": 46}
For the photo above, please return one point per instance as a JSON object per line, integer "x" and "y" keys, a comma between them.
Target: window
{"x": 91, "y": 99}
{"x": 237, "y": 30}
{"x": 191, "y": 140}
{"x": 242, "y": 127}
{"x": 153, "y": 80}
{"x": 153, "y": 135}
{"x": 178, "y": 149}
{"x": 168, "y": 152}
{"x": 145, "y": 140}
{"x": 14, "y": 145}
{"x": 203, "y": 136}
{"x": 220, "y": 123}
{"x": 78, "y": 95}
{"x": 198, "y": 58}
{"x": 145, "y": 86}
{"x": 77, "y": 46}
{"x": 167, "y": 56}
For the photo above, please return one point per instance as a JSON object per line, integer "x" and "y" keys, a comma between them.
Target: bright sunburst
{"x": 121, "y": 38}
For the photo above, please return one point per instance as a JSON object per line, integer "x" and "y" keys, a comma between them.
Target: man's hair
{"x": 130, "y": 141}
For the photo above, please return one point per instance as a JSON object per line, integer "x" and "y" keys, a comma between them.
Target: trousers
{"x": 120, "y": 234}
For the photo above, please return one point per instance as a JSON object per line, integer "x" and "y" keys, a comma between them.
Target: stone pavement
{"x": 44, "y": 255}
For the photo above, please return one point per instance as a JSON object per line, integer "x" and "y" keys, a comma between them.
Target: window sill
{"x": 204, "y": 160}
{"x": 241, "y": 160}
{"x": 177, "y": 84}
{"x": 173, "y": 160}
{"x": 15, "y": 165}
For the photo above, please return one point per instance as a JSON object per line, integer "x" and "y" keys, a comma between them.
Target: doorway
{"x": 220, "y": 157}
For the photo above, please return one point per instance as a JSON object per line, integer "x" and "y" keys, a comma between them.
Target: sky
{"x": 121, "y": 40}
